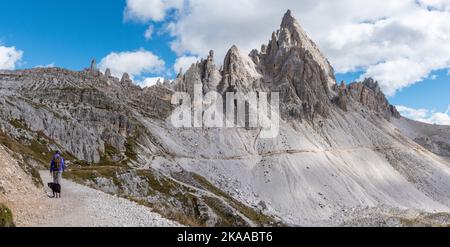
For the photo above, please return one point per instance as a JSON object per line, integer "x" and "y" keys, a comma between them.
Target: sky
{"x": 404, "y": 44}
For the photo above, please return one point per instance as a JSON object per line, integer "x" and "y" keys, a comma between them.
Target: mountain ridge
{"x": 340, "y": 147}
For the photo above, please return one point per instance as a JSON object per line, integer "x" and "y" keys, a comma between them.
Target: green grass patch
{"x": 18, "y": 124}
{"x": 6, "y": 217}
{"x": 92, "y": 172}
{"x": 111, "y": 150}
{"x": 27, "y": 152}
{"x": 162, "y": 185}
{"x": 227, "y": 217}
{"x": 130, "y": 146}
{"x": 106, "y": 159}
{"x": 255, "y": 216}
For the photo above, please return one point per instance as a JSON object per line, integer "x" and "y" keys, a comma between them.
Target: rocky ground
{"x": 385, "y": 216}
{"x": 17, "y": 190}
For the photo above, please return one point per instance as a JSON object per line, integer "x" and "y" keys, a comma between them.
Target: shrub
{"x": 6, "y": 217}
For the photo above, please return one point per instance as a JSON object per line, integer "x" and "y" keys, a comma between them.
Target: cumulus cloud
{"x": 426, "y": 116}
{"x": 145, "y": 10}
{"x": 369, "y": 35}
{"x": 397, "y": 74}
{"x": 9, "y": 57}
{"x": 437, "y": 4}
{"x": 184, "y": 63}
{"x": 150, "y": 81}
{"x": 135, "y": 63}
{"x": 50, "y": 65}
{"x": 149, "y": 32}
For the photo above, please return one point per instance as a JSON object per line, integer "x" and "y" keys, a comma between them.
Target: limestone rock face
{"x": 369, "y": 94}
{"x": 81, "y": 112}
{"x": 339, "y": 147}
{"x": 342, "y": 98}
{"x": 203, "y": 73}
{"x": 93, "y": 67}
{"x": 239, "y": 72}
{"x": 292, "y": 34}
{"x": 100, "y": 110}
{"x": 107, "y": 73}
{"x": 125, "y": 78}
{"x": 292, "y": 64}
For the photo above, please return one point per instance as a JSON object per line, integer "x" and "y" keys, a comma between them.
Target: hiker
{"x": 57, "y": 167}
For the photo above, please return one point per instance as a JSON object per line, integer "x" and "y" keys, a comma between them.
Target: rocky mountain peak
{"x": 126, "y": 80}
{"x": 342, "y": 86}
{"x": 93, "y": 70}
{"x": 371, "y": 84}
{"x": 108, "y": 73}
{"x": 288, "y": 19}
{"x": 211, "y": 56}
{"x": 158, "y": 82}
{"x": 291, "y": 64}
{"x": 203, "y": 72}
{"x": 93, "y": 66}
{"x": 369, "y": 94}
{"x": 125, "y": 77}
{"x": 238, "y": 72}
{"x": 291, "y": 34}
{"x": 229, "y": 64}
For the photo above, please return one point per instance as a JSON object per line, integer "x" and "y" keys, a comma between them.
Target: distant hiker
{"x": 57, "y": 167}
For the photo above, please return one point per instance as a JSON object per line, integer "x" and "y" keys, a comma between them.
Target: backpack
{"x": 57, "y": 161}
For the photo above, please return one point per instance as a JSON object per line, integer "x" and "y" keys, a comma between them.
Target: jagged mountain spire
{"x": 93, "y": 66}
{"x": 107, "y": 73}
{"x": 125, "y": 78}
{"x": 239, "y": 71}
{"x": 287, "y": 19}
{"x": 292, "y": 34}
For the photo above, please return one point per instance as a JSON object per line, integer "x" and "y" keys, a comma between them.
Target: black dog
{"x": 56, "y": 188}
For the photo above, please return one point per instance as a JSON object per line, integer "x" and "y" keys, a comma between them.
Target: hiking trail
{"x": 81, "y": 206}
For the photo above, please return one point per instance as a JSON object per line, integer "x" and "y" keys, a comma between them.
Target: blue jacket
{"x": 62, "y": 166}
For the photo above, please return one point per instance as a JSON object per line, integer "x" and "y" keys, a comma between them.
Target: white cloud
{"x": 438, "y": 4}
{"x": 412, "y": 113}
{"x": 146, "y": 10}
{"x": 369, "y": 35}
{"x": 134, "y": 63}
{"x": 149, "y": 32}
{"x": 396, "y": 74}
{"x": 51, "y": 65}
{"x": 426, "y": 116}
{"x": 9, "y": 57}
{"x": 150, "y": 81}
{"x": 184, "y": 63}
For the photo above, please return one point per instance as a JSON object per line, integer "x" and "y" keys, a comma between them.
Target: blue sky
{"x": 70, "y": 33}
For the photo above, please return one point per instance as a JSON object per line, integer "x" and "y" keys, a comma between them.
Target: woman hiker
{"x": 57, "y": 166}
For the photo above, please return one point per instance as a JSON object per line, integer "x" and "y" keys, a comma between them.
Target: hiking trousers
{"x": 57, "y": 177}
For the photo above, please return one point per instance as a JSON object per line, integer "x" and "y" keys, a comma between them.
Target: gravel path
{"x": 81, "y": 206}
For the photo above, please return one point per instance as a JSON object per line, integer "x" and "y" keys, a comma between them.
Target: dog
{"x": 56, "y": 189}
